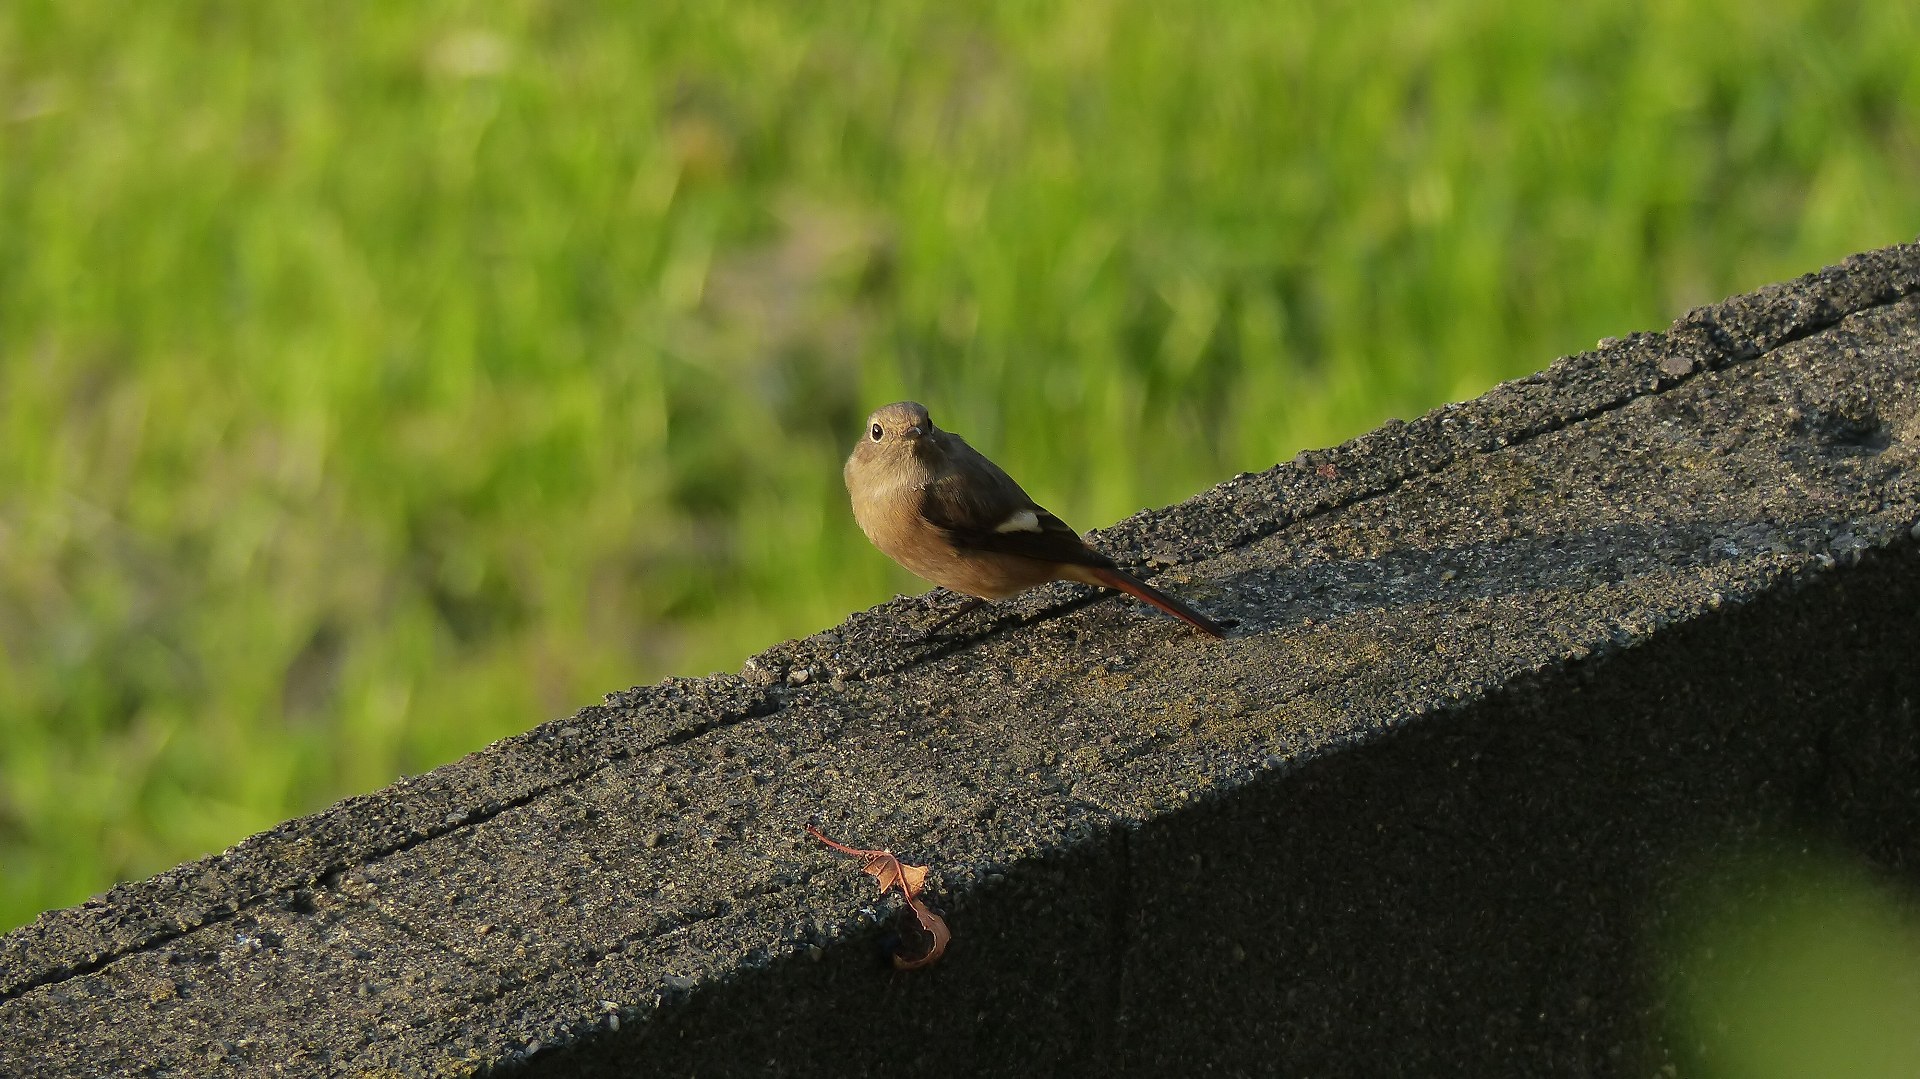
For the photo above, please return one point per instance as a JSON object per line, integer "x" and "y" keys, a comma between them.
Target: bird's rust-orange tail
{"x": 1125, "y": 582}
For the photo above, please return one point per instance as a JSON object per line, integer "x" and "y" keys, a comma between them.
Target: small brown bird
{"x": 933, "y": 504}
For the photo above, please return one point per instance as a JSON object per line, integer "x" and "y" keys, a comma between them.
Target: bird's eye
{"x": 874, "y": 432}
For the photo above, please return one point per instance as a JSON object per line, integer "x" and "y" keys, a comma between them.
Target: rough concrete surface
{"x": 1497, "y": 673}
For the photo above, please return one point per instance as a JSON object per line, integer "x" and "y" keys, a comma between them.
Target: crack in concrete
{"x": 1732, "y": 355}
{"x": 316, "y": 880}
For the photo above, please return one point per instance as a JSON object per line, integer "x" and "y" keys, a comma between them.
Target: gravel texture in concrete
{"x": 1496, "y": 676}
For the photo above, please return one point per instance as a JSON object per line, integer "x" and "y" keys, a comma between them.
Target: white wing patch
{"x": 1020, "y": 521}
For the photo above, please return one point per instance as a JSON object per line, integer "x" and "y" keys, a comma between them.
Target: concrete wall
{"x": 1498, "y": 676}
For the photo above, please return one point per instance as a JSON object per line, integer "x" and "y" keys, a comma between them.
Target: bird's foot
{"x": 967, "y": 606}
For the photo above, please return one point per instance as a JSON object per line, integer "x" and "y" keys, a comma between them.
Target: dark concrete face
{"x": 1480, "y": 894}
{"x": 1498, "y": 673}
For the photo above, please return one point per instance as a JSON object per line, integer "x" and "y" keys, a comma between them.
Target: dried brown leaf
{"x": 936, "y": 928}
{"x": 892, "y": 873}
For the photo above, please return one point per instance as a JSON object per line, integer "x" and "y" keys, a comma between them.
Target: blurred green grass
{"x": 1787, "y": 959}
{"x": 377, "y": 381}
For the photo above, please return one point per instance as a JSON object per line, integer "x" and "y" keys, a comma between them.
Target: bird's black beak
{"x": 915, "y": 431}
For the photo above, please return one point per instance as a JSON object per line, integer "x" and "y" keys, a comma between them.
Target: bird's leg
{"x": 971, "y": 603}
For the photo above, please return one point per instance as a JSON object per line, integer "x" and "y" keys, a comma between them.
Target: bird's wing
{"x": 979, "y": 507}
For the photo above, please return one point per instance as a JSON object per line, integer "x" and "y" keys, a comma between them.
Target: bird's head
{"x": 901, "y": 427}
